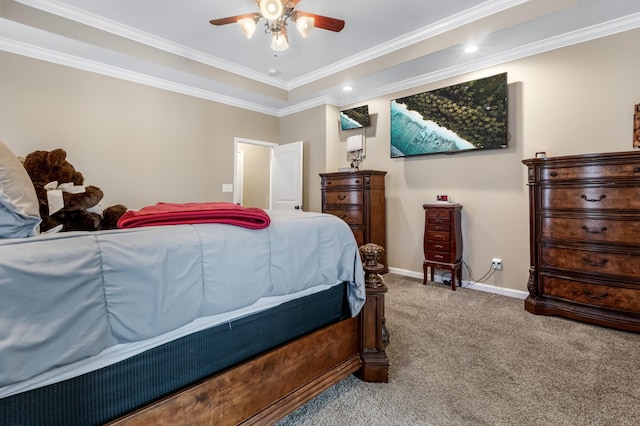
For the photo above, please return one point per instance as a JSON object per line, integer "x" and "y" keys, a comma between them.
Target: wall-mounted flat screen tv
{"x": 458, "y": 118}
{"x": 355, "y": 118}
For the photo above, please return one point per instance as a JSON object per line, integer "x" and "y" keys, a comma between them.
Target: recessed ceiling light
{"x": 470, "y": 48}
{"x": 273, "y": 72}
{"x": 347, "y": 88}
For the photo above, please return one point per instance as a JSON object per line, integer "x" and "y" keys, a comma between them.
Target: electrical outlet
{"x": 496, "y": 264}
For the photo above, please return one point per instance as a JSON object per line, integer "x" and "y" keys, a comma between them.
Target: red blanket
{"x": 180, "y": 214}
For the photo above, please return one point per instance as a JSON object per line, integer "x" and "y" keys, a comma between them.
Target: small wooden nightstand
{"x": 443, "y": 240}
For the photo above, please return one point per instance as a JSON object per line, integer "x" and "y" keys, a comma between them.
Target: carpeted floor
{"x": 475, "y": 358}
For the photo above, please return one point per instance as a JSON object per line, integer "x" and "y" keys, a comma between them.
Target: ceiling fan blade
{"x": 324, "y": 22}
{"x": 231, "y": 19}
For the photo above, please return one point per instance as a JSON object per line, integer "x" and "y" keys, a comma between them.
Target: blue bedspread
{"x": 68, "y": 296}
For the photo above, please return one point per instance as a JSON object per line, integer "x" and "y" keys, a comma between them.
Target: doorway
{"x": 252, "y": 173}
{"x": 268, "y": 175}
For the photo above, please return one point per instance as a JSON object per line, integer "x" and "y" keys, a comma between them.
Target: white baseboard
{"x": 474, "y": 286}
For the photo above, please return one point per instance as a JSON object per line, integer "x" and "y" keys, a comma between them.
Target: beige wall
{"x": 139, "y": 144}
{"x": 143, "y": 145}
{"x": 256, "y": 176}
{"x": 310, "y": 127}
{"x": 573, "y": 100}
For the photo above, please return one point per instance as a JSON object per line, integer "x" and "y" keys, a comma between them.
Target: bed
{"x": 192, "y": 323}
{"x": 198, "y": 324}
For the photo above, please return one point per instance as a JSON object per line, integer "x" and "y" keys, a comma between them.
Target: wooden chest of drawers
{"x": 585, "y": 238}
{"x": 359, "y": 199}
{"x": 443, "y": 240}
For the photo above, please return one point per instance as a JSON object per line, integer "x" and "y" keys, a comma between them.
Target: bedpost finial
{"x": 370, "y": 253}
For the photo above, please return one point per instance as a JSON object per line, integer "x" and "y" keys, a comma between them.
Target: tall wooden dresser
{"x": 585, "y": 238}
{"x": 358, "y": 198}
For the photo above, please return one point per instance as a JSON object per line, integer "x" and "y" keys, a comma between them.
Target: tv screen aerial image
{"x": 354, "y": 118}
{"x": 466, "y": 116}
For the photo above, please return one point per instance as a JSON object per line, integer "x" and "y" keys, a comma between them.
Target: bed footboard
{"x": 265, "y": 389}
{"x": 272, "y": 385}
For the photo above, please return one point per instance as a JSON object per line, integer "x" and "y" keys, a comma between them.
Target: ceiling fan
{"x": 277, "y": 13}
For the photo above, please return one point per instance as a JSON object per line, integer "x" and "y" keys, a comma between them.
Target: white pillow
{"x": 19, "y": 213}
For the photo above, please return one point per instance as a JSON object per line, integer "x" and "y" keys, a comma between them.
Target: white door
{"x": 286, "y": 177}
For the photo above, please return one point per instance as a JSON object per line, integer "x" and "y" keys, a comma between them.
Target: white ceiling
{"x": 385, "y": 46}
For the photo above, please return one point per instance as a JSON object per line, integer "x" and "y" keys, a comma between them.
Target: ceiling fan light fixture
{"x": 304, "y": 24}
{"x": 271, "y": 10}
{"x": 279, "y": 42}
{"x": 248, "y": 26}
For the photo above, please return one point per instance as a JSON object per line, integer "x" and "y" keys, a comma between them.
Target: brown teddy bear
{"x": 63, "y": 198}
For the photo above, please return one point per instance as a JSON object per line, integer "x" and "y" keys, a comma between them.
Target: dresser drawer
{"x": 445, "y": 227}
{"x": 591, "y": 171}
{"x": 343, "y": 181}
{"x": 438, "y": 215}
{"x": 591, "y": 229}
{"x": 626, "y": 265}
{"x": 352, "y": 217}
{"x": 438, "y": 236}
{"x": 436, "y": 256}
{"x": 440, "y": 223}
{"x": 619, "y": 298}
{"x": 622, "y": 198}
{"x": 343, "y": 197}
{"x": 438, "y": 246}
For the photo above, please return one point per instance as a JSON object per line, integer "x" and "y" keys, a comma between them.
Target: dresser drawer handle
{"x": 602, "y": 197}
{"x": 636, "y": 170}
{"x": 341, "y": 197}
{"x": 438, "y": 246}
{"x": 342, "y": 215}
{"x": 590, "y": 263}
{"x": 438, "y": 256}
{"x": 596, "y": 231}
{"x": 594, "y": 296}
{"x": 553, "y": 174}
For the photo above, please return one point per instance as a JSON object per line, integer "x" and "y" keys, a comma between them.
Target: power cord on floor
{"x": 485, "y": 277}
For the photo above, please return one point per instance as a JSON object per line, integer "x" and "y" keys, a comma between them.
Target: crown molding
{"x": 312, "y": 103}
{"x": 450, "y": 23}
{"x": 608, "y": 28}
{"x": 37, "y": 52}
{"x": 467, "y": 16}
{"x": 575, "y": 37}
{"x": 125, "y": 31}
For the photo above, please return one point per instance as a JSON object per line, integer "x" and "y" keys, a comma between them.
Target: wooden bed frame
{"x": 270, "y": 386}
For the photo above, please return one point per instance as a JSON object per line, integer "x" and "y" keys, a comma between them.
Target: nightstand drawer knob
{"x": 341, "y": 197}
{"x": 636, "y": 170}
{"x": 596, "y": 231}
{"x": 553, "y": 174}
{"x": 586, "y": 198}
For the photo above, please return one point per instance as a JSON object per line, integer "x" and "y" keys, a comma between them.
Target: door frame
{"x": 237, "y": 180}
